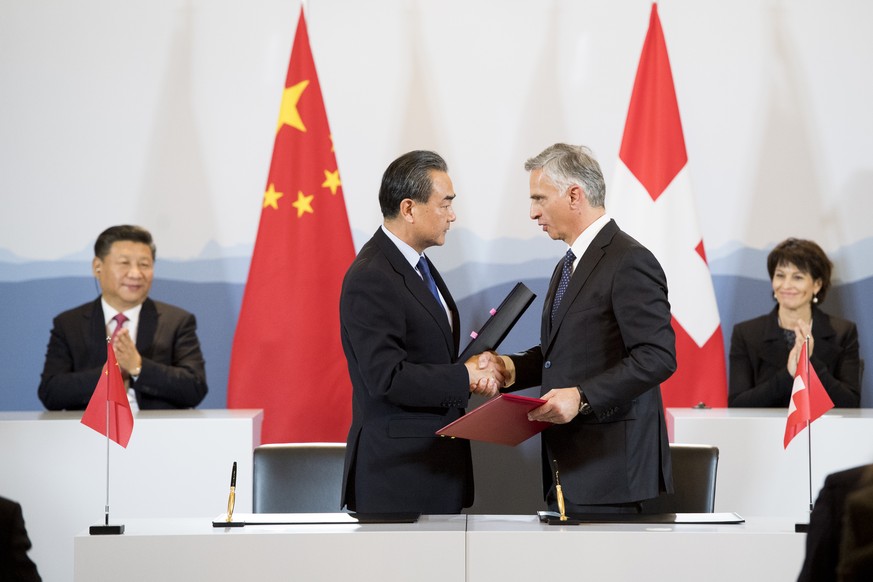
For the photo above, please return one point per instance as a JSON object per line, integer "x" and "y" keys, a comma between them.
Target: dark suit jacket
{"x": 14, "y": 545}
{"x": 759, "y": 378}
{"x": 400, "y": 352}
{"x": 824, "y": 537}
{"x": 612, "y": 336}
{"x": 856, "y": 547}
{"x": 173, "y": 373}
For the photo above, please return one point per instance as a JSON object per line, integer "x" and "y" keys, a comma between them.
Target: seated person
{"x": 855, "y": 563}
{"x": 764, "y": 351}
{"x": 14, "y": 545}
{"x": 155, "y": 343}
{"x": 827, "y": 522}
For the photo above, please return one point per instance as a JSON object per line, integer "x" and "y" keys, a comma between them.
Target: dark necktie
{"x": 119, "y": 322}
{"x": 428, "y": 279}
{"x": 566, "y": 272}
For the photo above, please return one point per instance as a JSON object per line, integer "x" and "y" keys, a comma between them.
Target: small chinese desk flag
{"x": 110, "y": 393}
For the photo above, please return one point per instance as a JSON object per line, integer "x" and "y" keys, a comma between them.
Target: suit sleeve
{"x": 843, "y": 383}
{"x": 528, "y": 369}
{"x": 643, "y": 319}
{"x": 743, "y": 392}
{"x": 175, "y": 372}
{"x": 385, "y": 327}
{"x": 61, "y": 386}
{"x": 823, "y": 538}
{"x": 16, "y": 563}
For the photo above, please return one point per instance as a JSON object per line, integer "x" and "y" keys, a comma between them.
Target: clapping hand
{"x": 802, "y": 331}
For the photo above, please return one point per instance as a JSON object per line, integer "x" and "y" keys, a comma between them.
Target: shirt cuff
{"x": 510, "y": 371}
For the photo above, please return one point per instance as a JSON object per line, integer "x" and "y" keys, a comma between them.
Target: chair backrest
{"x": 298, "y": 478}
{"x": 694, "y": 476}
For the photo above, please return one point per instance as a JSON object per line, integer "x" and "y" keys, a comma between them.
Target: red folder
{"x": 502, "y": 420}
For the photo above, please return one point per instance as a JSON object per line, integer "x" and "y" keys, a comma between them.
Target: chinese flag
{"x": 110, "y": 393}
{"x": 651, "y": 199}
{"x": 809, "y": 399}
{"x": 287, "y": 358}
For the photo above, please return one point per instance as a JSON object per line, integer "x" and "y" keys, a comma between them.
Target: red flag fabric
{"x": 287, "y": 357}
{"x": 809, "y": 399}
{"x": 651, "y": 199}
{"x": 110, "y": 392}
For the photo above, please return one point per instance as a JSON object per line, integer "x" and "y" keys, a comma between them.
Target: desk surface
{"x": 760, "y": 549}
{"x": 430, "y": 550}
{"x": 461, "y": 548}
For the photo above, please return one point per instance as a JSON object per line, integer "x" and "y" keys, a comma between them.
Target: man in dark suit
{"x": 155, "y": 343}
{"x": 827, "y": 523}
{"x": 400, "y": 334}
{"x": 14, "y": 545}
{"x": 606, "y": 345}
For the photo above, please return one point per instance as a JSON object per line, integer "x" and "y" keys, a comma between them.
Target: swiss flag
{"x": 651, "y": 199}
{"x": 809, "y": 399}
{"x": 287, "y": 357}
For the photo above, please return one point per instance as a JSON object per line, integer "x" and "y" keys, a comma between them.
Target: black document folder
{"x": 498, "y": 325}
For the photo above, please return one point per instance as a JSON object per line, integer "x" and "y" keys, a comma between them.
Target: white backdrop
{"x": 163, "y": 112}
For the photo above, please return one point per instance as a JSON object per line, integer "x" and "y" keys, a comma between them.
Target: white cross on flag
{"x": 651, "y": 199}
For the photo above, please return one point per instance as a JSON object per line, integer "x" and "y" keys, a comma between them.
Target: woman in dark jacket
{"x": 765, "y": 350}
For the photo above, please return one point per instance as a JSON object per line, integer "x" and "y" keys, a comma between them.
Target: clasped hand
{"x": 125, "y": 351}
{"x": 487, "y": 373}
{"x": 802, "y": 331}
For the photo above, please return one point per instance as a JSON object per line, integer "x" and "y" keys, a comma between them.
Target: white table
{"x": 756, "y": 475}
{"x": 177, "y": 464}
{"x": 521, "y": 548}
{"x": 181, "y": 550}
{"x": 460, "y": 548}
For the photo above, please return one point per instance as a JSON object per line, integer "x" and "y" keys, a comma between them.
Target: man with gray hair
{"x": 606, "y": 344}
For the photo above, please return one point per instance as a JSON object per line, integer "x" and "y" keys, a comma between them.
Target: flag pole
{"x": 804, "y": 527}
{"x": 106, "y": 507}
{"x": 809, "y": 428}
{"x": 107, "y": 529}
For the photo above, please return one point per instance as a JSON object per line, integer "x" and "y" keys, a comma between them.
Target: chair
{"x": 298, "y": 478}
{"x": 694, "y": 476}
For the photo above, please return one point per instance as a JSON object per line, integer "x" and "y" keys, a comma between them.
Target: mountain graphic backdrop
{"x": 211, "y": 287}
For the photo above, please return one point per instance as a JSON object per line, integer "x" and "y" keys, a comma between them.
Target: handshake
{"x": 487, "y": 373}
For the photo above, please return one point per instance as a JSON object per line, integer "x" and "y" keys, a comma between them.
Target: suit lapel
{"x": 148, "y": 324}
{"x": 773, "y": 346}
{"x": 593, "y": 254}
{"x": 419, "y": 289}
{"x": 455, "y": 328}
{"x": 95, "y": 329}
{"x": 546, "y": 326}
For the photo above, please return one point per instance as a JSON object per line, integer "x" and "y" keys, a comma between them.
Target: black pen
{"x": 231, "y": 499}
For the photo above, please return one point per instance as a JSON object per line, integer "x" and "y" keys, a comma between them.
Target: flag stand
{"x": 804, "y": 527}
{"x": 107, "y": 529}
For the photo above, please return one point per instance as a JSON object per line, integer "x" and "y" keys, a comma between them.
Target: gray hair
{"x": 566, "y": 165}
